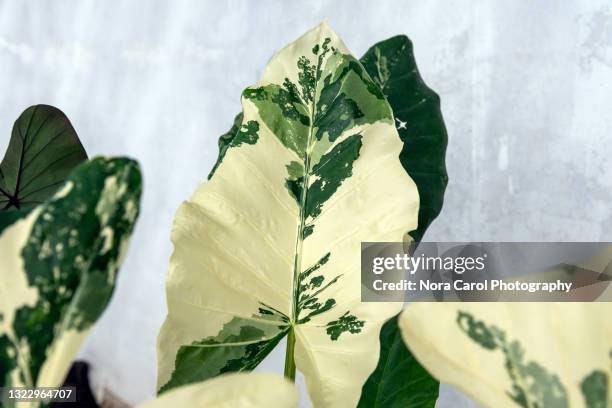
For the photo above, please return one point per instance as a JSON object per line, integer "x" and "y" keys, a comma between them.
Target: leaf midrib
{"x": 299, "y": 241}
{"x": 297, "y": 267}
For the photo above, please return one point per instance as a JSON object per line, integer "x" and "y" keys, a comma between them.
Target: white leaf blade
{"x": 261, "y": 227}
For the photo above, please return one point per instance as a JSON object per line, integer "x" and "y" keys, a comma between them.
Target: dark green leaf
{"x": 42, "y": 151}
{"x": 399, "y": 380}
{"x": 419, "y": 122}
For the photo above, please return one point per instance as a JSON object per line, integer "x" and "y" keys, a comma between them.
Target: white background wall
{"x": 526, "y": 89}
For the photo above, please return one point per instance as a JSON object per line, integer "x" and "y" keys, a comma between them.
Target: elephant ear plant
{"x": 391, "y": 64}
{"x": 59, "y": 262}
{"x": 270, "y": 246}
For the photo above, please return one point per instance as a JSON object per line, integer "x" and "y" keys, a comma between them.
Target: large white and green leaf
{"x": 58, "y": 268}
{"x": 399, "y": 380}
{"x": 44, "y": 148}
{"x": 391, "y": 64}
{"x": 253, "y": 390}
{"x": 517, "y": 354}
{"x": 271, "y": 243}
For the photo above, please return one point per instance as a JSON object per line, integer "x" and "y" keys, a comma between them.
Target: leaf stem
{"x": 289, "y": 359}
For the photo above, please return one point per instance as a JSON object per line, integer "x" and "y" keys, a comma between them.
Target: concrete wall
{"x": 525, "y": 86}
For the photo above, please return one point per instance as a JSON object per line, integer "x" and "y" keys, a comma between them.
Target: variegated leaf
{"x": 58, "y": 268}
{"x": 517, "y": 354}
{"x": 391, "y": 64}
{"x": 254, "y": 390}
{"x": 271, "y": 243}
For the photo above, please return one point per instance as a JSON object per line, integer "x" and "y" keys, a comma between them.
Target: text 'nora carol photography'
{"x": 486, "y": 271}
{"x": 461, "y": 285}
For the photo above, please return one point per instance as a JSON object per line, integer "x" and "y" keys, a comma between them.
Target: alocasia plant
{"x": 58, "y": 269}
{"x": 392, "y": 66}
{"x": 530, "y": 355}
{"x": 42, "y": 151}
{"x": 270, "y": 245}
{"x": 254, "y": 390}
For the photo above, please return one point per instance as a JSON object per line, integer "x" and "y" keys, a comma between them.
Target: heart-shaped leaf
{"x": 232, "y": 391}
{"x": 516, "y": 354}
{"x": 58, "y": 270}
{"x": 399, "y": 380}
{"x": 391, "y": 64}
{"x": 270, "y": 245}
{"x": 42, "y": 151}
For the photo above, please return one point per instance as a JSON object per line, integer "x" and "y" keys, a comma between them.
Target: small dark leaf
{"x": 42, "y": 151}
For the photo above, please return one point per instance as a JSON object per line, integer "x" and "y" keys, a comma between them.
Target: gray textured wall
{"x": 526, "y": 90}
